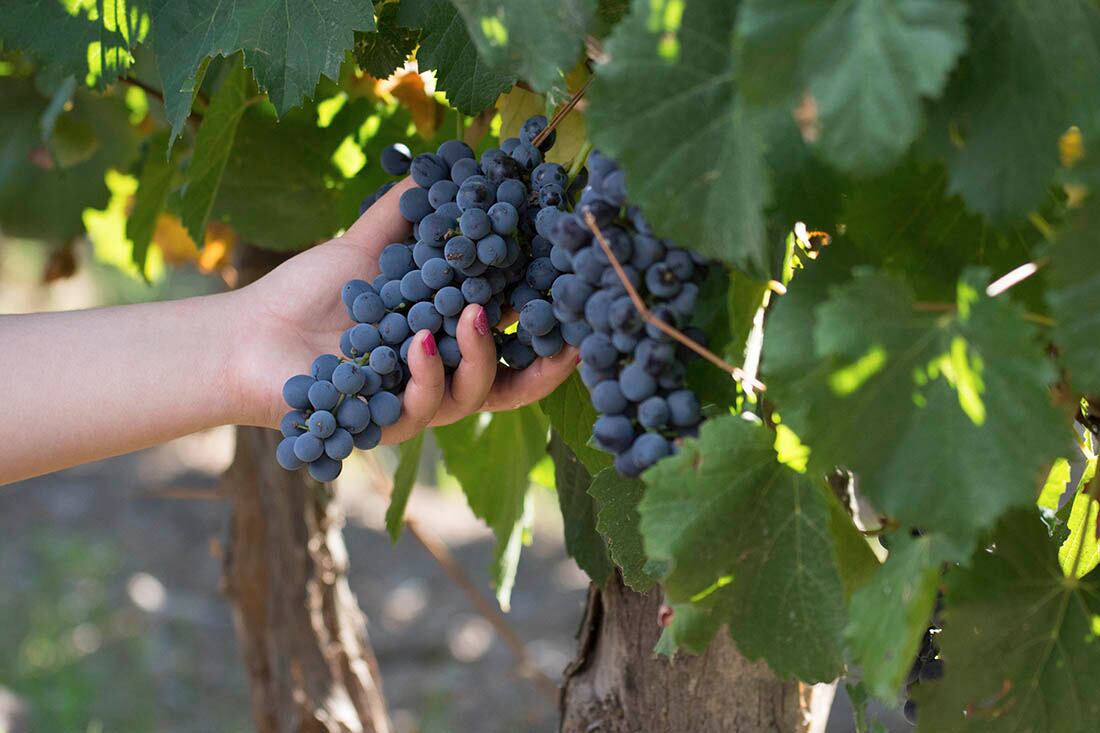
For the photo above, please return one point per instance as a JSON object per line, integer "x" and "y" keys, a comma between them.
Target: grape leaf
{"x": 569, "y": 409}
{"x": 886, "y": 382}
{"x": 154, "y": 184}
{"x": 385, "y": 49}
{"x": 534, "y": 39}
{"x": 694, "y": 624}
{"x": 578, "y": 512}
{"x": 1020, "y": 641}
{"x": 889, "y": 615}
{"x": 213, "y": 144}
{"x": 1080, "y": 552}
{"x": 706, "y": 187}
{"x": 40, "y": 202}
{"x": 470, "y": 82}
{"x": 1074, "y": 297}
{"x": 866, "y": 63}
{"x": 288, "y": 45}
{"x": 617, "y": 522}
{"x": 403, "y": 479}
{"x": 91, "y": 41}
{"x": 724, "y": 511}
{"x": 1055, "y": 485}
{"x": 1031, "y": 73}
{"x": 491, "y": 457}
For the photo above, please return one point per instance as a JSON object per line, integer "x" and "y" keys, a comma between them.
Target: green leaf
{"x": 707, "y": 191}
{"x": 91, "y": 41}
{"x": 1030, "y": 74}
{"x": 213, "y": 144}
{"x": 470, "y": 82}
{"x": 1020, "y": 641}
{"x": 1055, "y": 485}
{"x": 288, "y": 45}
{"x": 491, "y": 455}
{"x": 40, "y": 202}
{"x": 569, "y": 409}
{"x": 1080, "y": 552}
{"x": 617, "y": 500}
{"x": 886, "y": 382}
{"x": 888, "y": 616}
{"x": 408, "y": 463}
{"x": 536, "y": 40}
{"x": 153, "y": 185}
{"x": 694, "y": 624}
{"x": 724, "y": 511}
{"x": 382, "y": 51}
{"x": 578, "y": 512}
{"x": 867, "y": 64}
{"x": 1074, "y": 297}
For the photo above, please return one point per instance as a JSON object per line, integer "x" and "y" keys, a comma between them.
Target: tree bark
{"x": 617, "y": 684}
{"x": 304, "y": 640}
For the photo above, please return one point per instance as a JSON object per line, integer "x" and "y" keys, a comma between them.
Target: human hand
{"x": 294, "y": 313}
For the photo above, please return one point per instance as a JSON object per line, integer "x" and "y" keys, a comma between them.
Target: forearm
{"x": 85, "y": 385}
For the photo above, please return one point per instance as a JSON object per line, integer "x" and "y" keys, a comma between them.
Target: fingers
{"x": 472, "y": 380}
{"x": 514, "y": 389}
{"x": 380, "y": 225}
{"x": 423, "y": 393}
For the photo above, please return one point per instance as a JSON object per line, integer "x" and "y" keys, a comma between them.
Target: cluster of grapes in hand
{"x": 476, "y": 226}
{"x": 634, "y": 370}
{"x": 927, "y": 667}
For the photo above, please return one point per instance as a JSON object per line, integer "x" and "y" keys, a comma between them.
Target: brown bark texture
{"x": 618, "y": 684}
{"x": 302, "y": 635}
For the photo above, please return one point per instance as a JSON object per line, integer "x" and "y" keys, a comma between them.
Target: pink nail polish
{"x": 578, "y": 361}
{"x": 481, "y": 323}
{"x": 428, "y": 344}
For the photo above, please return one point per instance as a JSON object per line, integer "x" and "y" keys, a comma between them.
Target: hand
{"x": 294, "y": 313}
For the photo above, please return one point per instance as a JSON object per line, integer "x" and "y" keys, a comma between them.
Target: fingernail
{"x": 428, "y": 344}
{"x": 578, "y": 360}
{"x": 481, "y": 323}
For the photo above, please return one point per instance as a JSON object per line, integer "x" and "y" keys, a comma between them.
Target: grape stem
{"x": 561, "y": 113}
{"x": 648, "y": 317}
{"x": 927, "y": 307}
{"x": 579, "y": 161}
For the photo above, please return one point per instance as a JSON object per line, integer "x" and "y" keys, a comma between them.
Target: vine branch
{"x": 648, "y": 317}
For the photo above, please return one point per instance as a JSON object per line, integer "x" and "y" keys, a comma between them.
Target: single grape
{"x": 574, "y": 333}
{"x": 475, "y": 224}
{"x": 545, "y": 221}
{"x": 385, "y": 408}
{"x": 504, "y": 217}
{"x": 571, "y": 291}
{"x": 308, "y": 447}
{"x": 423, "y": 315}
{"x": 684, "y": 303}
{"x": 538, "y": 317}
{"x": 597, "y": 307}
{"x": 395, "y": 159}
{"x": 460, "y": 252}
{"x": 589, "y": 265}
{"x": 391, "y": 295}
{"x": 637, "y": 384}
{"x": 548, "y": 344}
{"x": 521, "y": 296}
{"x": 364, "y": 337}
{"x": 449, "y": 352}
{"x": 608, "y": 399}
{"x": 291, "y": 424}
{"x": 570, "y": 232}
{"x": 450, "y": 325}
{"x": 493, "y": 313}
{"x": 323, "y": 395}
{"x": 540, "y": 247}
{"x": 592, "y": 376}
{"x": 910, "y": 712}
{"x": 434, "y": 229}
{"x": 661, "y": 280}
{"x": 598, "y": 352}
{"x": 372, "y": 383}
{"x": 463, "y": 169}
{"x": 449, "y": 301}
{"x": 683, "y": 408}
{"x": 285, "y": 456}
{"x": 653, "y": 413}
{"x": 613, "y": 188}
{"x": 353, "y": 414}
{"x": 368, "y": 308}
{"x": 475, "y": 194}
{"x": 512, "y": 191}
{"x": 427, "y": 168}
{"x": 413, "y": 287}
{"x": 517, "y": 354}
{"x": 437, "y": 273}
{"x": 403, "y": 352}
{"x": 648, "y": 449}
{"x": 339, "y": 445}
{"x": 624, "y": 316}
{"x": 477, "y": 290}
{"x": 613, "y": 433}
{"x": 324, "y": 469}
{"x": 423, "y": 251}
{"x": 322, "y": 423}
{"x": 626, "y": 464}
{"x": 296, "y": 391}
{"x": 352, "y": 290}
{"x": 394, "y": 329}
{"x": 324, "y": 365}
{"x": 395, "y": 260}
{"x": 508, "y": 145}
{"x": 654, "y": 356}
{"x": 647, "y": 252}
{"x": 384, "y": 359}
{"x": 679, "y": 261}
{"x": 541, "y": 274}
{"x": 368, "y": 438}
{"x": 492, "y": 250}
{"x": 623, "y": 342}
{"x": 549, "y": 174}
{"x": 348, "y": 378}
{"x": 414, "y": 205}
{"x": 453, "y": 151}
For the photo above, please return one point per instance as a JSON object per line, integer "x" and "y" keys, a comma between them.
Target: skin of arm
{"x": 86, "y": 385}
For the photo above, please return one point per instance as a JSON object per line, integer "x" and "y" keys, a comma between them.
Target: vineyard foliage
{"x": 882, "y": 163}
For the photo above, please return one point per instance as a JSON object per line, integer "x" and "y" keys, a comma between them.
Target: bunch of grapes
{"x": 634, "y": 370}
{"x": 927, "y": 667}
{"x": 478, "y": 237}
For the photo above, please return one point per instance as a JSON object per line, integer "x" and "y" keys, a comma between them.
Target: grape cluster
{"x": 635, "y": 371}
{"x": 927, "y": 667}
{"x": 479, "y": 237}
